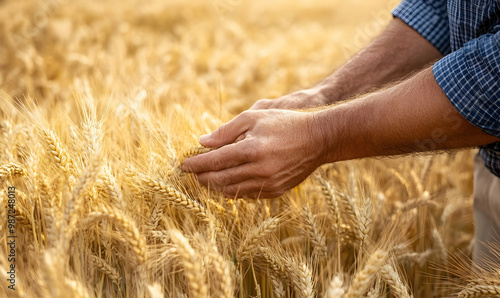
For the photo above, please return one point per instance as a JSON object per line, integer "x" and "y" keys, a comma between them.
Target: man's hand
{"x": 263, "y": 153}
{"x": 304, "y": 99}
{"x": 260, "y": 154}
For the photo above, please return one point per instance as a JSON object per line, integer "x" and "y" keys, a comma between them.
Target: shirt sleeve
{"x": 429, "y": 19}
{"x": 470, "y": 77}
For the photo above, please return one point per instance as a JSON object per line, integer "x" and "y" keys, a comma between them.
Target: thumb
{"x": 227, "y": 133}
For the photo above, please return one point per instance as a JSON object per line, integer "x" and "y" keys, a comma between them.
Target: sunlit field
{"x": 100, "y": 101}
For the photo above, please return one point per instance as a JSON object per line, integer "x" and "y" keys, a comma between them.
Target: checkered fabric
{"x": 467, "y": 32}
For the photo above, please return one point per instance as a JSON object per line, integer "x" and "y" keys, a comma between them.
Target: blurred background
{"x": 235, "y": 51}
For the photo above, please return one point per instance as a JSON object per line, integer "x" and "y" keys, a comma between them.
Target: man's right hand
{"x": 303, "y": 99}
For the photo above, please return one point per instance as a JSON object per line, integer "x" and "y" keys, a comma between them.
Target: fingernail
{"x": 204, "y": 138}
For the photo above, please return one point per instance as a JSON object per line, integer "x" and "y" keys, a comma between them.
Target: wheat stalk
{"x": 439, "y": 245}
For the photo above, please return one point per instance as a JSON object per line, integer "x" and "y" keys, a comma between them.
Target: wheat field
{"x": 100, "y": 101}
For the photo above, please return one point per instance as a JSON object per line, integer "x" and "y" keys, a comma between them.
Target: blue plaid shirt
{"x": 467, "y": 33}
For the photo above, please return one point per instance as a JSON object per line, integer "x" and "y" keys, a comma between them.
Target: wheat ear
{"x": 335, "y": 289}
{"x": 174, "y": 197}
{"x": 57, "y": 151}
{"x": 76, "y": 200}
{"x": 11, "y": 170}
{"x": 224, "y": 287}
{"x": 278, "y": 285}
{"x": 416, "y": 257}
{"x": 331, "y": 200}
{"x": 171, "y": 196}
{"x": 110, "y": 189}
{"x": 479, "y": 291}
{"x": 131, "y": 233}
{"x": 192, "y": 265}
{"x": 275, "y": 261}
{"x": 313, "y": 232}
{"x": 302, "y": 278}
{"x": 195, "y": 150}
{"x": 391, "y": 277}
{"x": 365, "y": 222}
{"x": 255, "y": 238}
{"x": 351, "y": 209}
{"x": 363, "y": 278}
{"x": 105, "y": 268}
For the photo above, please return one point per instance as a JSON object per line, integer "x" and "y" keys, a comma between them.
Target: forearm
{"x": 398, "y": 51}
{"x": 413, "y": 116}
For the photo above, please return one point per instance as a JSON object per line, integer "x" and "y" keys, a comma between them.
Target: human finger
{"x": 216, "y": 160}
{"x": 228, "y": 132}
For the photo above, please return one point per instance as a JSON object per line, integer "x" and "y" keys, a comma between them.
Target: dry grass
{"x": 100, "y": 101}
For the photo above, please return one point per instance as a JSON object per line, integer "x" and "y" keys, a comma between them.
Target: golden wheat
{"x": 101, "y": 101}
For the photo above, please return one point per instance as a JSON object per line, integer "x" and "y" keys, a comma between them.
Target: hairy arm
{"x": 398, "y": 51}
{"x": 413, "y": 116}
{"x": 263, "y": 153}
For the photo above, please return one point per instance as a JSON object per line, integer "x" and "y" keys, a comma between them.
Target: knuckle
{"x": 264, "y": 102}
{"x": 247, "y": 115}
{"x": 250, "y": 154}
{"x": 244, "y": 115}
{"x": 259, "y": 103}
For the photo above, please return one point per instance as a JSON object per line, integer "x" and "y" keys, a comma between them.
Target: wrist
{"x": 325, "y": 140}
{"x": 342, "y": 132}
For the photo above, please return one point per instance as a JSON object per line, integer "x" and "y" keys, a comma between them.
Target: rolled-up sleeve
{"x": 470, "y": 77}
{"x": 429, "y": 19}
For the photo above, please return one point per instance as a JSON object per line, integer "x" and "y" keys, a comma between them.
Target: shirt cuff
{"x": 429, "y": 20}
{"x": 470, "y": 78}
